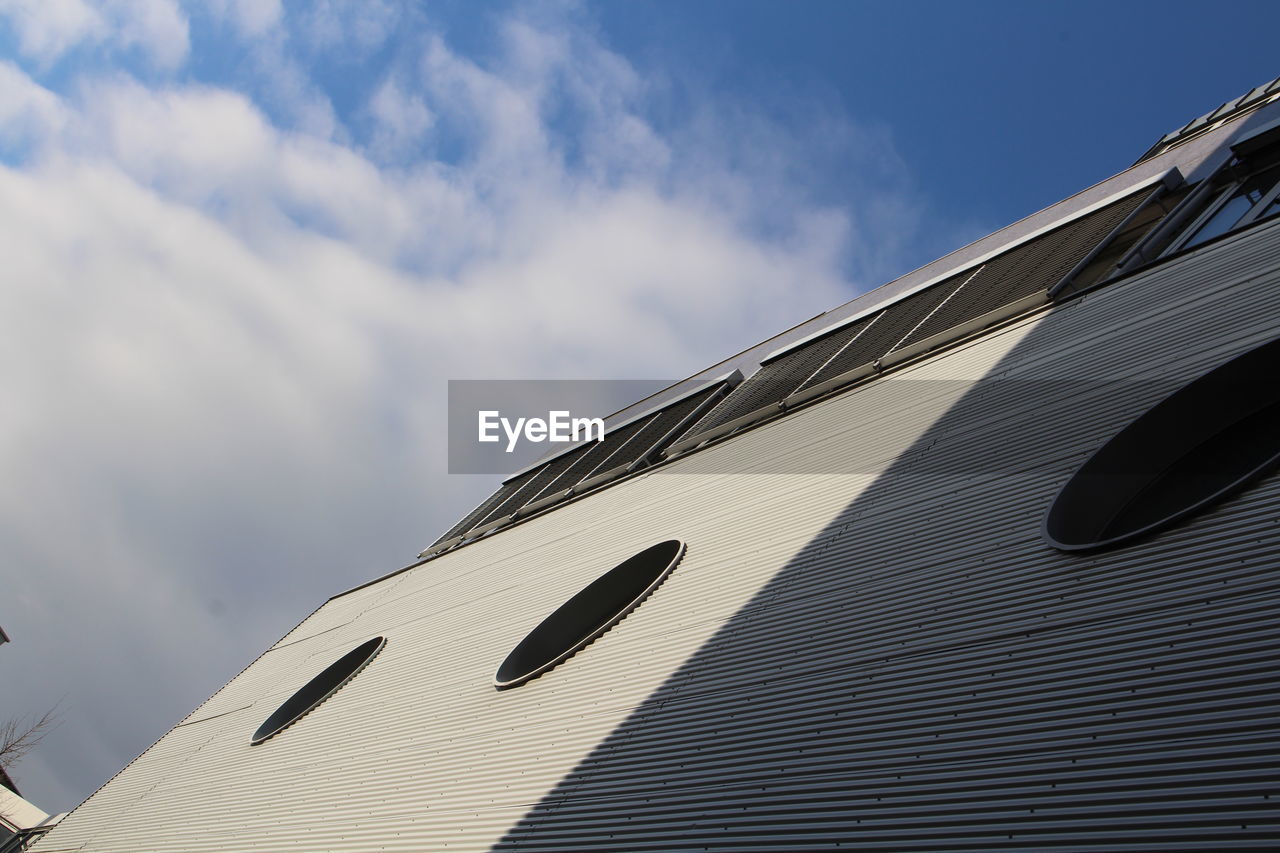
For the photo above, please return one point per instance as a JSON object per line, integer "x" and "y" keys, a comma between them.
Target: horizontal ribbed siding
{"x": 857, "y": 650}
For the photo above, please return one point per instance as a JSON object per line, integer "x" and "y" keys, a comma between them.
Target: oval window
{"x": 594, "y": 610}
{"x": 1200, "y": 444}
{"x": 319, "y": 688}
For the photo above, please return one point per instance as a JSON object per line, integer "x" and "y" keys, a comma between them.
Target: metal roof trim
{"x": 983, "y": 321}
{"x": 871, "y": 368}
{"x": 533, "y": 506}
{"x": 603, "y": 477}
{"x": 482, "y": 529}
{"x": 723, "y": 429}
{"x": 441, "y": 547}
{"x": 1255, "y": 99}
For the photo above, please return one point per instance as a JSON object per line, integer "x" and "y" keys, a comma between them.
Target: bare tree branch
{"x": 18, "y": 737}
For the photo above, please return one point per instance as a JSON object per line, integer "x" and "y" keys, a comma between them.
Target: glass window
{"x": 1206, "y": 441}
{"x": 319, "y": 689}
{"x": 1222, "y": 221}
{"x": 591, "y": 612}
{"x": 1236, "y": 209}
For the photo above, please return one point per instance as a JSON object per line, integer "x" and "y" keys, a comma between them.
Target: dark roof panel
{"x": 625, "y": 446}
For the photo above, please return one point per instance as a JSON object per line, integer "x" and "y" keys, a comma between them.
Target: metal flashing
{"x": 480, "y": 530}
{"x": 440, "y": 547}
{"x": 603, "y": 477}
{"x": 724, "y": 428}
{"x": 871, "y": 368}
{"x": 533, "y": 506}
{"x": 964, "y": 330}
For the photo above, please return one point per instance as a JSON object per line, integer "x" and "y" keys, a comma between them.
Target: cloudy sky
{"x": 245, "y": 243}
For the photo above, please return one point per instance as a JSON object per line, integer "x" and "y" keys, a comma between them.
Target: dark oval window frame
{"x": 330, "y": 680}
{"x": 589, "y": 613}
{"x": 1201, "y": 444}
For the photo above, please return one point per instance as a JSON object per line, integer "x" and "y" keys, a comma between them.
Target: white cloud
{"x": 187, "y": 418}
{"x": 47, "y": 29}
{"x": 226, "y": 338}
{"x": 401, "y": 120}
{"x": 252, "y": 18}
{"x": 156, "y": 27}
{"x": 29, "y": 113}
{"x": 349, "y": 26}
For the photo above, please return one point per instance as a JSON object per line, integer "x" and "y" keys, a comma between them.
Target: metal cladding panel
{"x": 774, "y": 381}
{"x": 486, "y": 509}
{"x": 1147, "y": 218}
{"x": 560, "y": 473}
{"x": 657, "y": 428}
{"x": 515, "y": 494}
{"x": 867, "y": 644}
{"x": 1032, "y": 267}
{"x": 830, "y": 355}
{"x": 592, "y": 456}
{"x": 891, "y": 327}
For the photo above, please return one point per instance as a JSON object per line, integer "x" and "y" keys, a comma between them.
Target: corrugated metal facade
{"x": 866, "y": 645}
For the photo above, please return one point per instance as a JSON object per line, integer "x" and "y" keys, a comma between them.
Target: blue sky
{"x": 247, "y": 243}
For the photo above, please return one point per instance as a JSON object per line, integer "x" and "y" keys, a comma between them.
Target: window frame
{"x": 1241, "y": 173}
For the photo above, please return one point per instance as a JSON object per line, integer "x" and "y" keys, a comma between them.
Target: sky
{"x": 246, "y": 244}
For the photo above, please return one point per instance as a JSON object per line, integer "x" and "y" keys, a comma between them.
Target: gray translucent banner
{"x": 509, "y": 413}
{"x": 932, "y": 428}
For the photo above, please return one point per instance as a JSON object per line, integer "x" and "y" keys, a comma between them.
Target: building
{"x": 20, "y": 821}
{"x": 984, "y": 559}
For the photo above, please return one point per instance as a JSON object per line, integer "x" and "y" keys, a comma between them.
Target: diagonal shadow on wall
{"x": 926, "y": 674}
